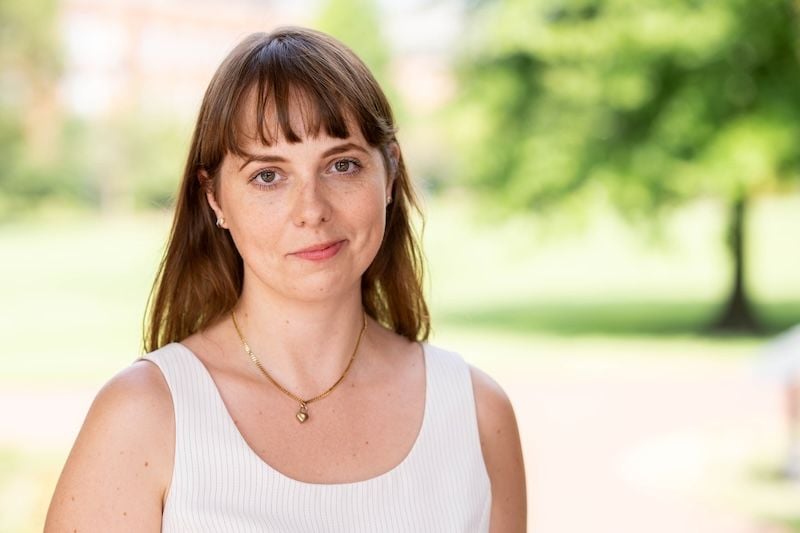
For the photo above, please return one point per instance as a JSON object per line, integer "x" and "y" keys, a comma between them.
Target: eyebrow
{"x": 338, "y": 149}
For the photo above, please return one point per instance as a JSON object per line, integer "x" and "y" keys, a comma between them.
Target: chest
{"x": 360, "y": 431}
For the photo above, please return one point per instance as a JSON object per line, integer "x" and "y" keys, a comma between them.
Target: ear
{"x": 393, "y": 152}
{"x": 207, "y": 184}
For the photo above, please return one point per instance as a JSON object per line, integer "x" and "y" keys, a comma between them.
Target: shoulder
{"x": 141, "y": 377}
{"x": 117, "y": 472}
{"x": 502, "y": 452}
{"x": 139, "y": 394}
{"x": 494, "y": 409}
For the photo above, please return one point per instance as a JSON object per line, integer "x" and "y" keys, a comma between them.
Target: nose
{"x": 311, "y": 205}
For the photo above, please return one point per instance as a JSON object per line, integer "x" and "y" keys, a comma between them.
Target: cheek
{"x": 371, "y": 211}
{"x": 257, "y": 230}
{"x": 373, "y": 218}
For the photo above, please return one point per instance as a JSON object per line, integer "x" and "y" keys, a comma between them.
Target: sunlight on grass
{"x": 78, "y": 295}
{"x": 509, "y": 296}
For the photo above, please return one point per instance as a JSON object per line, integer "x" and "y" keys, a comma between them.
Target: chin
{"x": 318, "y": 288}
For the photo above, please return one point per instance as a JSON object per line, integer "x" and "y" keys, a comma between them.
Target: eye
{"x": 266, "y": 179}
{"x": 266, "y": 176}
{"x": 346, "y": 166}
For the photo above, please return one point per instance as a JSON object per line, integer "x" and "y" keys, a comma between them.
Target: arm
{"x": 116, "y": 475}
{"x": 502, "y": 453}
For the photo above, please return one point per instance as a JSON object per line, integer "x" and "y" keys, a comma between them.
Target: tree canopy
{"x": 655, "y": 101}
{"x": 650, "y": 103}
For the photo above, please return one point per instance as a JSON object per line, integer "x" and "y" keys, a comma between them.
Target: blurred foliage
{"x": 30, "y": 63}
{"x": 646, "y": 103}
{"x": 135, "y": 158}
{"x": 126, "y": 159}
{"x": 28, "y": 43}
{"x": 653, "y": 102}
{"x": 357, "y": 23}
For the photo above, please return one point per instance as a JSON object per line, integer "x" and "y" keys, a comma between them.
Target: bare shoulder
{"x": 117, "y": 472}
{"x": 502, "y": 453}
{"x": 489, "y": 393}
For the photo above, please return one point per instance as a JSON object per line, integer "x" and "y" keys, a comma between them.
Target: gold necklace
{"x": 302, "y": 414}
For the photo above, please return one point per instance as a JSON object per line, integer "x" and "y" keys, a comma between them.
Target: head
{"x": 292, "y": 87}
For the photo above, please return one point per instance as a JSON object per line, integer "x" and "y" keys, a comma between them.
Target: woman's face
{"x": 307, "y": 218}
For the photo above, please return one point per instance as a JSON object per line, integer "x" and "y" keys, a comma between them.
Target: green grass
{"x": 601, "y": 258}
{"x": 75, "y": 293}
{"x": 75, "y": 286}
{"x": 617, "y": 318}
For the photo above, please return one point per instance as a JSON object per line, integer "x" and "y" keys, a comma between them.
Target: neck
{"x": 305, "y": 346}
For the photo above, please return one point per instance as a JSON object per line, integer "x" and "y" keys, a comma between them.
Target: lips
{"x": 319, "y": 252}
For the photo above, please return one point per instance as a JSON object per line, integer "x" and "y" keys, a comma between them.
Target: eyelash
{"x": 354, "y": 162}
{"x": 263, "y": 186}
{"x": 267, "y": 186}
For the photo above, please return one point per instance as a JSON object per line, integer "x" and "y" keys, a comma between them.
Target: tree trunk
{"x": 738, "y": 314}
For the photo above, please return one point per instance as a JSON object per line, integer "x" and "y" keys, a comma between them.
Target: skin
{"x": 302, "y": 317}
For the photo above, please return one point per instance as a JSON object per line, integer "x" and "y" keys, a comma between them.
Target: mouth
{"x": 319, "y": 252}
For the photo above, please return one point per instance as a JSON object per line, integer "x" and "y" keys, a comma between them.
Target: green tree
{"x": 357, "y": 24}
{"x": 654, "y": 103}
{"x": 30, "y": 122}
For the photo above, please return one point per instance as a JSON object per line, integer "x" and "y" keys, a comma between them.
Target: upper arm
{"x": 502, "y": 453}
{"x": 117, "y": 472}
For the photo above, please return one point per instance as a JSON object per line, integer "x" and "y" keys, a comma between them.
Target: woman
{"x": 301, "y": 395}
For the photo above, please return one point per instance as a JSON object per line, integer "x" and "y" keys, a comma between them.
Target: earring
{"x": 220, "y": 221}
{"x": 388, "y": 199}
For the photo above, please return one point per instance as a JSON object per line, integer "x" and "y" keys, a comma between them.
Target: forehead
{"x": 268, "y": 119}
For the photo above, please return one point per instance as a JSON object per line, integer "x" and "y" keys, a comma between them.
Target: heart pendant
{"x": 302, "y": 415}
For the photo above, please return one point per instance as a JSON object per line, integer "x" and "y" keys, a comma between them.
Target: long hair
{"x": 201, "y": 274}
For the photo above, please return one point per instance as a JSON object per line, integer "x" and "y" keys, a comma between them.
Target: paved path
{"x": 641, "y": 445}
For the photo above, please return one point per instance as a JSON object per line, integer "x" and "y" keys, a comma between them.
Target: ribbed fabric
{"x": 219, "y": 484}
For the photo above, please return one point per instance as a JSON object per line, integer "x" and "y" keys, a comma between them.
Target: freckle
{"x": 122, "y": 453}
{"x": 366, "y": 442}
{"x": 498, "y": 431}
{"x": 259, "y": 412}
{"x": 125, "y": 513}
{"x": 72, "y": 498}
{"x": 146, "y": 463}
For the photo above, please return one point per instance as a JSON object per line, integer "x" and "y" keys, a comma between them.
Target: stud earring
{"x": 220, "y": 221}
{"x": 388, "y": 200}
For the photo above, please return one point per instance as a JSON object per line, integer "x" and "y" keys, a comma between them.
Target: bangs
{"x": 268, "y": 113}
{"x": 289, "y": 85}
{"x": 281, "y": 86}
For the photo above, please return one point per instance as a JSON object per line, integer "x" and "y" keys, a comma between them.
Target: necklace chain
{"x": 302, "y": 414}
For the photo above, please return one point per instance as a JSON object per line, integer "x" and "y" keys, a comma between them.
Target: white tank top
{"x": 219, "y": 484}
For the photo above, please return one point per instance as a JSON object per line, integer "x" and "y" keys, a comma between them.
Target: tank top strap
{"x": 202, "y": 422}
{"x": 453, "y": 424}
{"x": 194, "y": 394}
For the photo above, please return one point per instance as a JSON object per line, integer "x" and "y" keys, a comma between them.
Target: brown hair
{"x": 200, "y": 276}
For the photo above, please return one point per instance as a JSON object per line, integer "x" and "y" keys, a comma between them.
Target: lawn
{"x": 502, "y": 292}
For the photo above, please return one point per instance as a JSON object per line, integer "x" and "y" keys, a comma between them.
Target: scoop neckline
{"x": 403, "y": 464}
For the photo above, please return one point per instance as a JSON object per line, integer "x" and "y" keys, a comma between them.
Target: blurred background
{"x": 612, "y": 193}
